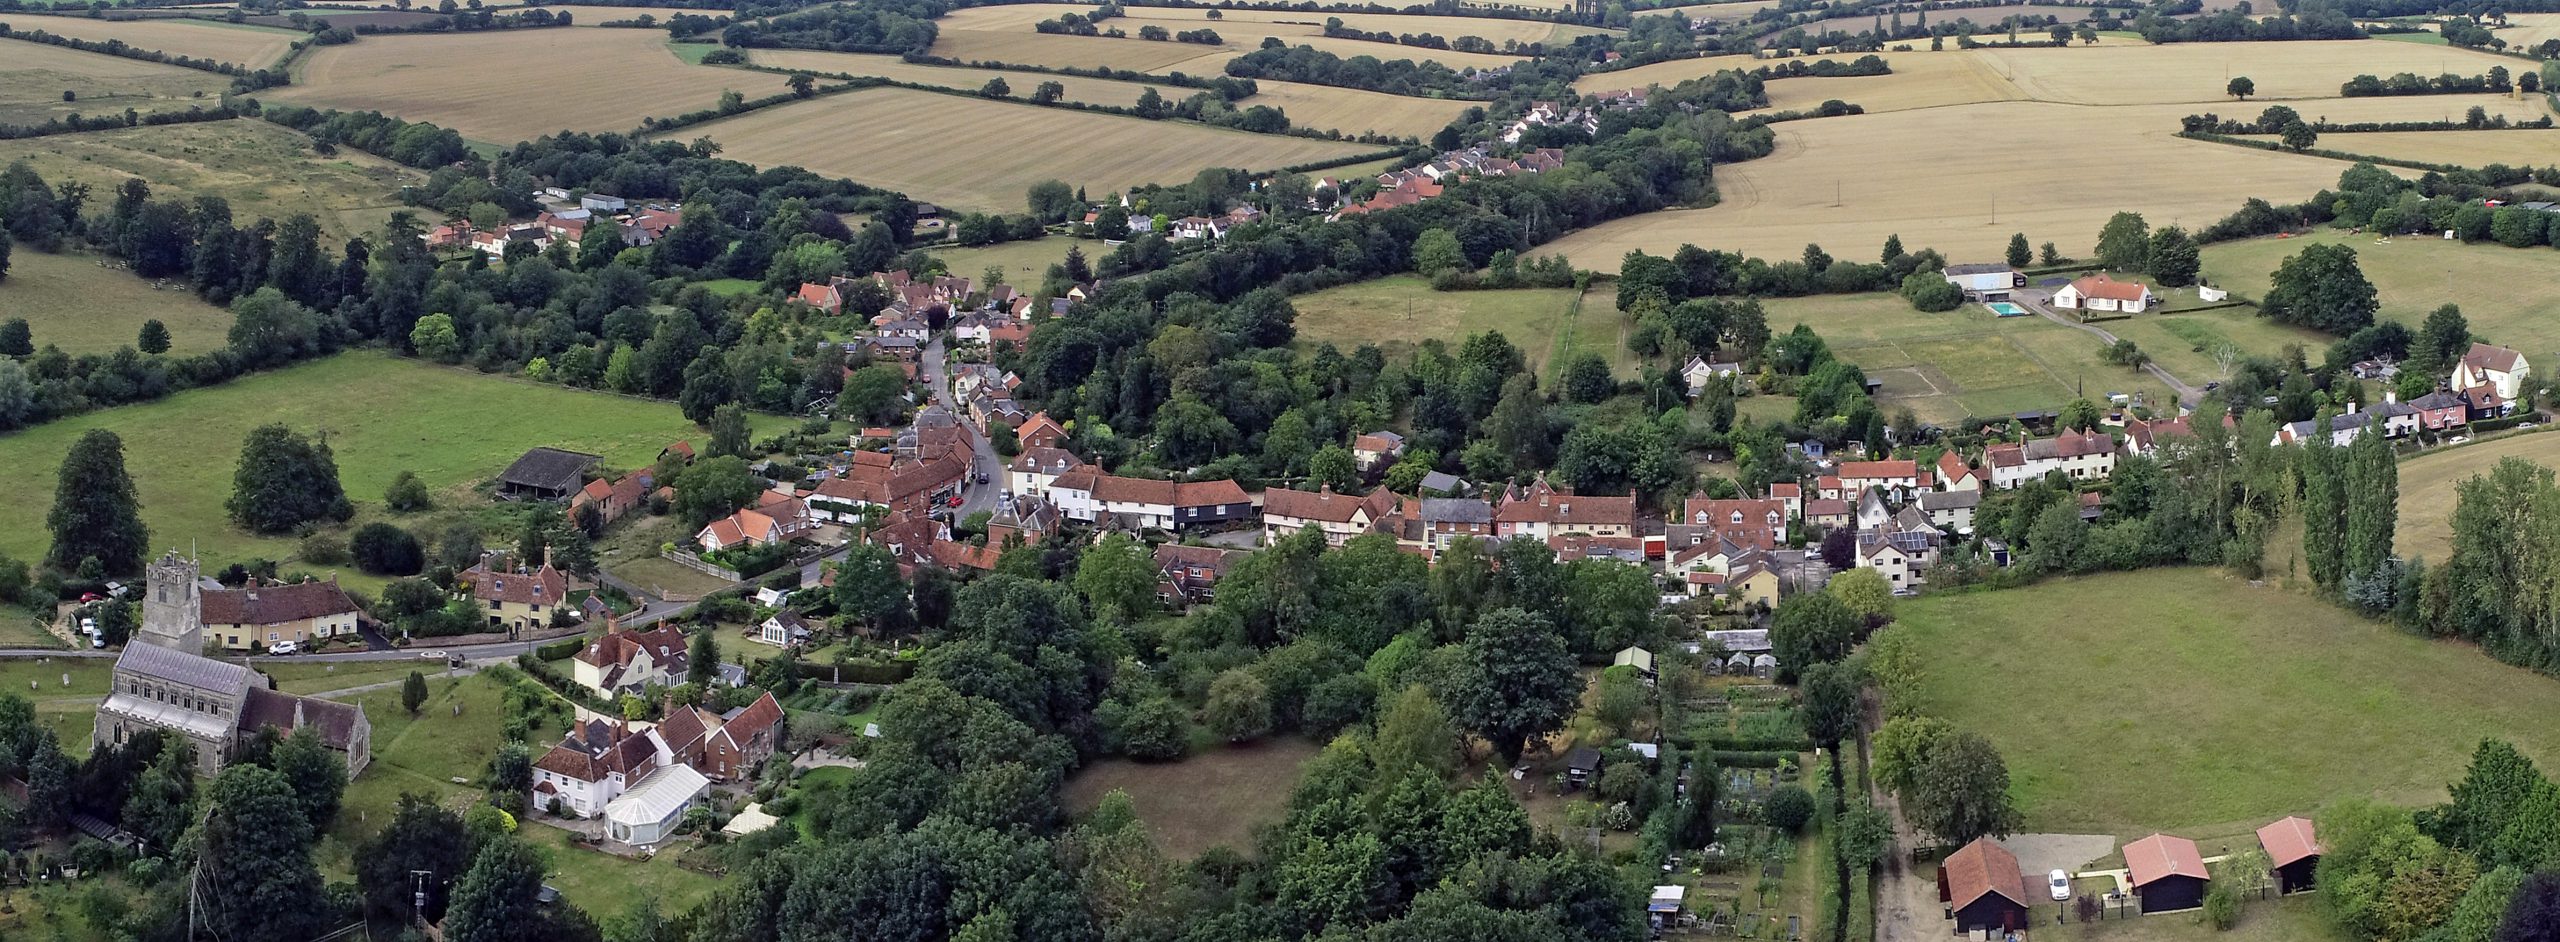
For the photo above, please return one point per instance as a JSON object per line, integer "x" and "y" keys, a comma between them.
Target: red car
{"x": 95, "y": 597}
{"x": 955, "y": 502}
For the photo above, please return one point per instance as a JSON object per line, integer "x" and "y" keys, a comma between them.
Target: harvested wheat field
{"x": 447, "y": 80}
{"x": 1005, "y": 34}
{"x": 583, "y": 15}
{"x": 249, "y": 46}
{"x": 260, "y": 168}
{"x": 2198, "y": 72}
{"x": 33, "y": 77}
{"x": 973, "y": 156}
{"x": 1090, "y": 91}
{"x": 1352, "y": 110}
{"x": 2513, "y": 147}
{"x": 1024, "y": 47}
{"x": 1984, "y": 19}
{"x": 1955, "y": 192}
{"x": 2529, "y": 30}
{"x": 1719, "y": 12}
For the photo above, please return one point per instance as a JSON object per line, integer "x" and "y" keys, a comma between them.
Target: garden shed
{"x": 1983, "y": 888}
{"x": 2293, "y": 850}
{"x": 2167, "y": 872}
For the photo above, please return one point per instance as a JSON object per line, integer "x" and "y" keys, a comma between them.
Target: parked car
{"x": 86, "y": 597}
{"x": 2060, "y": 883}
{"x": 286, "y": 647}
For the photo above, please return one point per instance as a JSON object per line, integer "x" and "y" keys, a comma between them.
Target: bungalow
{"x": 2343, "y": 429}
{"x": 744, "y": 528}
{"x": 2167, "y": 873}
{"x": 2496, "y": 367}
{"x": 1983, "y": 889}
{"x": 2082, "y": 456}
{"x": 1987, "y": 281}
{"x": 825, "y": 297}
{"x": 783, "y": 630}
{"x": 2100, "y": 293}
{"x": 1376, "y": 449}
{"x": 1188, "y": 575}
{"x": 1541, "y": 510}
{"x": 2294, "y": 850}
{"x": 1338, "y": 516}
{"x": 1699, "y": 371}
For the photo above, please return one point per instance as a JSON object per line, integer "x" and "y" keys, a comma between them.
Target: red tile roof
{"x": 276, "y": 604}
{"x": 1983, "y": 867}
{"x": 2483, "y": 356}
{"x": 2289, "y": 841}
{"x": 2101, "y": 286}
{"x": 1895, "y": 468}
{"x": 2160, "y": 856}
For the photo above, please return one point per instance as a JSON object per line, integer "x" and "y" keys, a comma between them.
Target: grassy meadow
{"x": 1966, "y": 362}
{"x": 2198, "y": 702}
{"x": 2427, "y": 482}
{"x": 72, "y": 302}
{"x": 1024, "y": 263}
{"x": 971, "y": 154}
{"x": 1398, "y": 313}
{"x": 261, "y": 169}
{"x": 382, "y": 415}
{"x": 2507, "y": 294}
{"x": 34, "y": 77}
{"x": 1210, "y": 799}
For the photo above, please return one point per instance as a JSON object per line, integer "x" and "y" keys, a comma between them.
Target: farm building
{"x": 1990, "y": 282}
{"x": 2101, "y": 293}
{"x": 2293, "y": 850}
{"x": 1983, "y": 888}
{"x": 2168, "y": 874}
{"x": 546, "y": 474}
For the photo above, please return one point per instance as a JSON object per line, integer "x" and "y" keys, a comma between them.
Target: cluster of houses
{"x": 2096, "y": 293}
{"x": 565, "y": 218}
{"x": 1407, "y": 187}
{"x": 1983, "y": 889}
{"x": 641, "y": 778}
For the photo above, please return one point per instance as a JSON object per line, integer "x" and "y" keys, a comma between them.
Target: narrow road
{"x": 2039, "y": 301}
{"x": 984, "y": 462}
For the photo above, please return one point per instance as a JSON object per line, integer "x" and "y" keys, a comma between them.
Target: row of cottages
{"x": 1339, "y": 516}
{"x": 513, "y": 596}
{"x": 1406, "y": 187}
{"x": 2103, "y": 294}
{"x": 1898, "y": 478}
{"x": 269, "y": 613}
{"x": 1087, "y": 496}
{"x": 1552, "y": 114}
{"x": 1984, "y": 889}
{"x": 641, "y": 781}
{"x": 1209, "y": 227}
{"x": 777, "y": 517}
{"x": 890, "y": 482}
{"x": 1542, "y": 511}
{"x": 612, "y": 499}
{"x": 2081, "y": 455}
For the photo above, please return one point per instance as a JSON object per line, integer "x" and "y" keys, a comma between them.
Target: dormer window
{"x": 1737, "y": 516}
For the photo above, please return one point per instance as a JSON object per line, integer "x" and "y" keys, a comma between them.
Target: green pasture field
{"x": 73, "y": 302}
{"x": 1400, "y": 312}
{"x": 1210, "y": 799}
{"x": 1965, "y": 362}
{"x": 2507, "y": 294}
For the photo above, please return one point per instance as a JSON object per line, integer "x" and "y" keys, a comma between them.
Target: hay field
{"x": 1950, "y": 191}
{"x": 1398, "y": 312}
{"x": 1982, "y": 17}
{"x": 2426, "y": 487}
{"x": 1919, "y": 80}
{"x": 2509, "y": 298}
{"x": 1719, "y": 12}
{"x": 1088, "y": 90}
{"x": 1004, "y": 34}
{"x": 1353, "y": 110}
{"x": 583, "y": 15}
{"x": 974, "y": 155}
{"x": 2530, "y": 29}
{"x": 251, "y": 46}
{"x": 262, "y": 169}
{"x": 2526, "y": 148}
{"x": 72, "y": 302}
{"x": 2197, "y": 72}
{"x": 33, "y": 77}
{"x": 448, "y": 82}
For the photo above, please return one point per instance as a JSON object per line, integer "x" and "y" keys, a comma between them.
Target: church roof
{"x": 336, "y": 722}
{"x": 180, "y": 667}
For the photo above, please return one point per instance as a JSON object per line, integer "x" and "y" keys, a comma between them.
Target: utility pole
{"x": 418, "y": 897}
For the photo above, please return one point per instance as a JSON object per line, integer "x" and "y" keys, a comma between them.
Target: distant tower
{"x": 173, "y": 608}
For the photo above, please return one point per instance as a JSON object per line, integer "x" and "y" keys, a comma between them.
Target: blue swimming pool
{"x": 2005, "y": 309}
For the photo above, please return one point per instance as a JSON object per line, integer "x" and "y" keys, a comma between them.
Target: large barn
{"x": 2293, "y": 850}
{"x": 2168, "y": 874}
{"x": 1983, "y": 888}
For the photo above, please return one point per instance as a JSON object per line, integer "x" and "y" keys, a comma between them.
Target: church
{"x": 163, "y": 683}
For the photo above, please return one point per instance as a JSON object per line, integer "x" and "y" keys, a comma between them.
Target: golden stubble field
{"x": 979, "y": 154}
{"x": 2513, "y": 147}
{"x": 587, "y": 80}
{"x": 1005, "y": 34}
{"x": 250, "y": 46}
{"x": 1353, "y": 110}
{"x": 33, "y": 77}
{"x": 1088, "y": 90}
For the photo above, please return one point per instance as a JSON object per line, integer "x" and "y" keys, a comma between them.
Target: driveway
{"x": 974, "y": 497}
{"x": 2040, "y": 301}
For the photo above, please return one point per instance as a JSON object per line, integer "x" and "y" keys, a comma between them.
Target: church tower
{"x": 173, "y": 608}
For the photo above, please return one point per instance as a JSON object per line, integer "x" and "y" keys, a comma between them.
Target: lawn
{"x": 1025, "y": 263}
{"x": 2198, "y": 701}
{"x": 71, "y": 301}
{"x": 453, "y": 736}
{"x": 24, "y": 628}
{"x": 310, "y": 677}
{"x": 972, "y": 156}
{"x": 2283, "y": 919}
{"x": 1398, "y": 313}
{"x": 1965, "y": 362}
{"x": 2427, "y": 482}
{"x": 2507, "y": 294}
{"x": 1210, "y": 799}
{"x": 2184, "y": 343}
{"x": 383, "y": 415}
{"x": 607, "y": 886}
{"x": 663, "y": 577}
{"x": 261, "y": 169}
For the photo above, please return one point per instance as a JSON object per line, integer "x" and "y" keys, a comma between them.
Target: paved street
{"x": 974, "y": 497}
